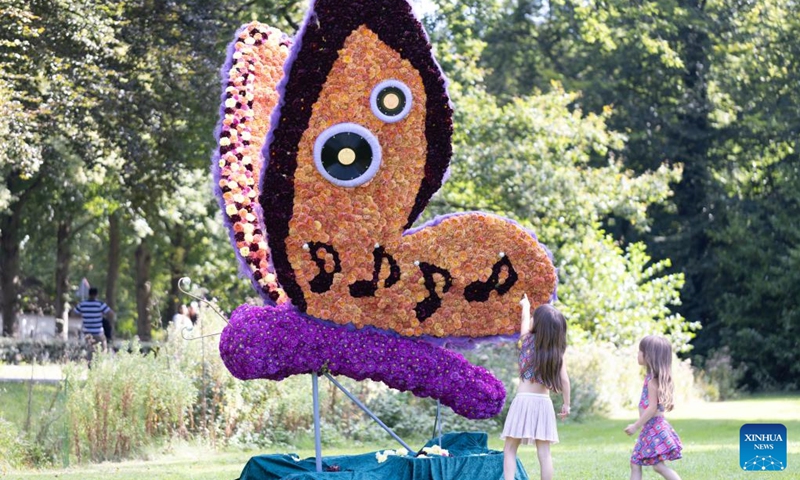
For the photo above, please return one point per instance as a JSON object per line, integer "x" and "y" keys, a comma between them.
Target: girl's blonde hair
{"x": 550, "y": 342}
{"x": 657, "y": 353}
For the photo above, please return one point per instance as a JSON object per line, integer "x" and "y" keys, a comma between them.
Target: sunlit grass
{"x": 599, "y": 449}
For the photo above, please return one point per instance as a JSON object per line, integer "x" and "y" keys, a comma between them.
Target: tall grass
{"x": 125, "y": 401}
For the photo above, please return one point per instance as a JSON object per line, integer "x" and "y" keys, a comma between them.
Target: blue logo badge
{"x": 762, "y": 447}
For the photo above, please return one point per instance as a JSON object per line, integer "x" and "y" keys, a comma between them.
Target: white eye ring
{"x": 392, "y": 116}
{"x": 353, "y": 129}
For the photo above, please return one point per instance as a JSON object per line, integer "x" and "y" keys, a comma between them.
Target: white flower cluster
{"x": 384, "y": 455}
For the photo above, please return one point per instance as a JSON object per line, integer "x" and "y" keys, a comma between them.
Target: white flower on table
{"x": 384, "y": 455}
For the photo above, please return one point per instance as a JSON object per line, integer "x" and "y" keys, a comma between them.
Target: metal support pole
{"x": 368, "y": 411}
{"x": 205, "y": 387}
{"x": 437, "y": 424}
{"x": 317, "y": 435}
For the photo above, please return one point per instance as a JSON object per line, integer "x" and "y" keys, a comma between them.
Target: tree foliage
{"x": 549, "y": 166}
{"x": 108, "y": 109}
{"x": 540, "y": 159}
{"x": 52, "y": 76}
{"x": 707, "y": 85}
{"x": 756, "y": 105}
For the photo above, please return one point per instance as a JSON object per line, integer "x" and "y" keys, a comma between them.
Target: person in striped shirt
{"x": 93, "y": 311}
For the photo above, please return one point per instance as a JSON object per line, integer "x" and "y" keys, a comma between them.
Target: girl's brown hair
{"x": 550, "y": 342}
{"x": 657, "y": 353}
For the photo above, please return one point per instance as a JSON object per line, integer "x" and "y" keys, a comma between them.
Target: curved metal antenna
{"x": 184, "y": 331}
{"x": 200, "y": 299}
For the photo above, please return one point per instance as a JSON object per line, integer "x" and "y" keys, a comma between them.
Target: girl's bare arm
{"x": 565, "y": 392}
{"x": 526, "y": 323}
{"x": 650, "y": 411}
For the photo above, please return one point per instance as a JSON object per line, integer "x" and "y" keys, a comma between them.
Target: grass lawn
{"x": 595, "y": 449}
{"x": 599, "y": 449}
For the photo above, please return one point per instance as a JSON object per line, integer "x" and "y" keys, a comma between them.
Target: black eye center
{"x": 391, "y": 100}
{"x": 346, "y": 156}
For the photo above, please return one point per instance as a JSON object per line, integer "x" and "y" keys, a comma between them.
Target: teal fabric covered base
{"x": 470, "y": 459}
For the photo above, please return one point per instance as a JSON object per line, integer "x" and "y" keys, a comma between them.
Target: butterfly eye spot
{"x": 347, "y": 155}
{"x": 390, "y": 100}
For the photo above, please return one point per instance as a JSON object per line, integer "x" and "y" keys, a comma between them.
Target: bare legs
{"x": 545, "y": 460}
{"x": 666, "y": 472}
{"x": 510, "y": 458}
{"x": 661, "y": 468}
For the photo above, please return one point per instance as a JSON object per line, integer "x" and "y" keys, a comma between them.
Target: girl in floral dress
{"x": 531, "y": 418}
{"x": 657, "y": 442}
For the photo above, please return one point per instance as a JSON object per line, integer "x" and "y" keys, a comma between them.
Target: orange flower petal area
{"x": 257, "y": 61}
{"x": 353, "y": 220}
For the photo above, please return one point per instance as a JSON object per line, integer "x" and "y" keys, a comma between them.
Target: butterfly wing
{"x": 361, "y": 143}
{"x": 253, "y": 68}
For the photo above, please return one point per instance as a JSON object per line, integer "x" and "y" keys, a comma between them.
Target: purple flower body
{"x": 277, "y": 342}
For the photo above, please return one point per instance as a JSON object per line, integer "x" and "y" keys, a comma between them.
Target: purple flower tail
{"x": 277, "y": 342}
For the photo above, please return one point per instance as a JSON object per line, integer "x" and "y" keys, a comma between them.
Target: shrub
{"x": 34, "y": 413}
{"x": 255, "y": 413}
{"x": 718, "y": 379}
{"x": 20, "y": 449}
{"x": 126, "y": 401}
{"x": 14, "y": 351}
{"x": 605, "y": 378}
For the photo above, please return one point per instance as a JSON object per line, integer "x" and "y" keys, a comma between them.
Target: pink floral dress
{"x": 657, "y": 441}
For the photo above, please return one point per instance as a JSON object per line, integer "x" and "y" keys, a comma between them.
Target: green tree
{"x": 539, "y": 158}
{"x": 756, "y": 104}
{"x": 710, "y": 86}
{"x": 50, "y": 70}
{"x": 548, "y": 165}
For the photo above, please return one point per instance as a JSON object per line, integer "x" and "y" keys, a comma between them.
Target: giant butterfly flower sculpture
{"x": 329, "y": 149}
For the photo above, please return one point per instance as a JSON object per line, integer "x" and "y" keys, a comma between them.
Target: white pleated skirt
{"x": 530, "y": 418}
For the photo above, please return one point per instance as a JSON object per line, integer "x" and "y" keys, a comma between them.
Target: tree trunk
{"x": 114, "y": 247}
{"x": 176, "y": 272}
{"x": 10, "y": 237}
{"x": 9, "y": 266}
{"x": 63, "y": 258}
{"x": 143, "y": 260}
